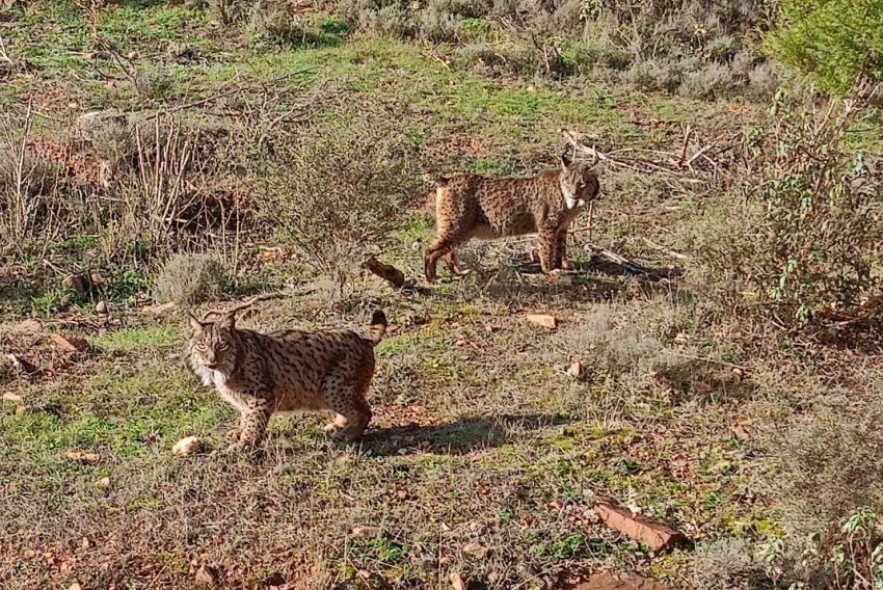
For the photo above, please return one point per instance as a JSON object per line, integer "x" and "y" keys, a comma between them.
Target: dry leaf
{"x": 207, "y": 576}
{"x": 457, "y": 581}
{"x": 575, "y": 370}
{"x": 11, "y": 397}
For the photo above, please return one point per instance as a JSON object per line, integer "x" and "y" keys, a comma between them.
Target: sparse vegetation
{"x": 191, "y": 279}
{"x": 715, "y": 363}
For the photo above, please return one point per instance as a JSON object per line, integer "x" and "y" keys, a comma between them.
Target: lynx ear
{"x": 195, "y": 325}
{"x": 565, "y": 161}
{"x": 227, "y": 321}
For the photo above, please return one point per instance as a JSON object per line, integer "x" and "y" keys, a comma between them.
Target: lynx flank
{"x": 290, "y": 370}
{"x": 471, "y": 206}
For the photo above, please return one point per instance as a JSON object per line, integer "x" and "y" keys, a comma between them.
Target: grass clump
{"x": 190, "y": 279}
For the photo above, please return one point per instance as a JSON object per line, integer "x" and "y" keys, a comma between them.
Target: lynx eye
{"x": 223, "y": 346}
{"x": 201, "y": 347}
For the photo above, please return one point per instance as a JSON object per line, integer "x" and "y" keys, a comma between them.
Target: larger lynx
{"x": 260, "y": 374}
{"x": 471, "y": 206}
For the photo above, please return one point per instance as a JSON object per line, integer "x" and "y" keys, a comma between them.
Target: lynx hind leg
{"x": 347, "y": 397}
{"x": 441, "y": 247}
{"x": 454, "y": 264}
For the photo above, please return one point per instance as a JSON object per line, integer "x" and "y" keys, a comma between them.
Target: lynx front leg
{"x": 560, "y": 260}
{"x": 255, "y": 417}
{"x": 548, "y": 248}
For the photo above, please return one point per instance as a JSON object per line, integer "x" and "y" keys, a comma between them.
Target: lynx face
{"x": 212, "y": 349}
{"x": 578, "y": 182}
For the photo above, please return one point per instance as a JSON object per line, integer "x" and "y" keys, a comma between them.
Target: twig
{"x": 4, "y": 55}
{"x": 664, "y": 250}
{"x": 244, "y": 305}
{"x": 220, "y": 95}
{"x": 687, "y": 137}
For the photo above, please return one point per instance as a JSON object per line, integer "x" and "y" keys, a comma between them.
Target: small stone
{"x": 70, "y": 343}
{"x": 475, "y": 550}
{"x": 187, "y": 446}
{"x": 101, "y": 308}
{"x": 103, "y": 483}
{"x": 543, "y": 320}
{"x": 84, "y": 458}
{"x": 11, "y": 397}
{"x": 365, "y": 532}
{"x": 207, "y": 576}
{"x": 85, "y": 543}
{"x": 75, "y": 586}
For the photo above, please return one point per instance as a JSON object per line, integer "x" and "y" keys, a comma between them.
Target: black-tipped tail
{"x": 378, "y": 326}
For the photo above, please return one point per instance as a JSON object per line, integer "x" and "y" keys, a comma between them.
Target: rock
{"x": 188, "y": 446}
{"x": 11, "y": 397}
{"x": 364, "y": 532}
{"x": 208, "y": 575}
{"x": 101, "y": 308}
{"x": 76, "y": 282}
{"x": 609, "y": 581}
{"x": 103, "y": 483}
{"x": 475, "y": 550}
{"x": 95, "y": 124}
{"x": 656, "y": 535}
{"x": 543, "y": 320}
{"x": 575, "y": 370}
{"x": 75, "y": 586}
{"x": 21, "y": 365}
{"x": 84, "y": 458}
{"x": 25, "y": 410}
{"x": 30, "y": 327}
{"x": 70, "y": 343}
{"x": 457, "y": 581}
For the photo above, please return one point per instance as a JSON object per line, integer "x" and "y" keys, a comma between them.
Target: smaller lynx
{"x": 260, "y": 374}
{"x": 471, "y": 206}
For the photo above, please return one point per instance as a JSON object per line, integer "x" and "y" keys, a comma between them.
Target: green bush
{"x": 806, "y": 243}
{"x": 833, "y": 42}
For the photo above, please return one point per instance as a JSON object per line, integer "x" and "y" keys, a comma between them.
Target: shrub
{"x": 341, "y": 183}
{"x": 833, "y": 42}
{"x": 808, "y": 237}
{"x": 189, "y": 279}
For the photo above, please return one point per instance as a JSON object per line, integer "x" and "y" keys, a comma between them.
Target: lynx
{"x": 260, "y": 374}
{"x": 471, "y": 206}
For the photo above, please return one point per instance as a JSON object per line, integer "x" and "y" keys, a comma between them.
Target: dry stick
{"x": 208, "y": 99}
{"x": 20, "y": 168}
{"x": 244, "y": 305}
{"x": 4, "y": 55}
{"x": 687, "y": 136}
{"x": 664, "y": 250}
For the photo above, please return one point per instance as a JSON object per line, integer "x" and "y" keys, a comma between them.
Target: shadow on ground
{"x": 459, "y": 437}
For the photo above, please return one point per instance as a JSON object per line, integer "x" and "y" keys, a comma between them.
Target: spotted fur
{"x": 260, "y": 374}
{"x": 471, "y": 206}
